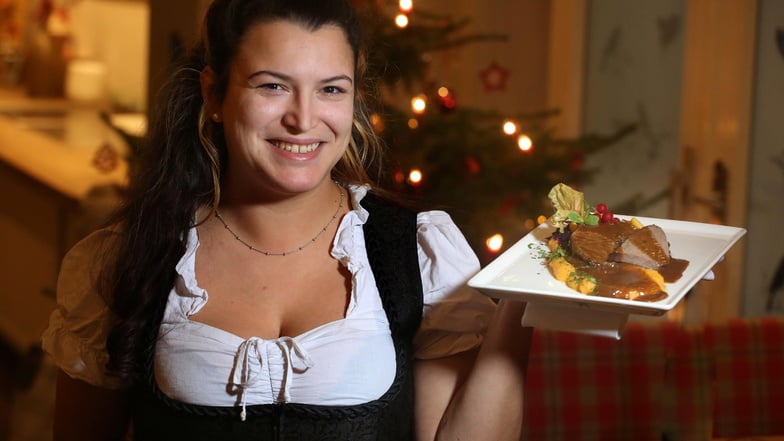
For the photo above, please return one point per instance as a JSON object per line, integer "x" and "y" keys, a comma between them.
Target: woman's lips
{"x": 296, "y": 148}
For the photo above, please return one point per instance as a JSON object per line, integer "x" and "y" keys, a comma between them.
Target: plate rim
{"x": 483, "y": 280}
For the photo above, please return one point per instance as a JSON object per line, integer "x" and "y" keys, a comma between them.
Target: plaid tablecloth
{"x": 687, "y": 397}
{"x": 650, "y": 385}
{"x": 748, "y": 370}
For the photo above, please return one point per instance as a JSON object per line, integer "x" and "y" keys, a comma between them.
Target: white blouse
{"x": 348, "y": 361}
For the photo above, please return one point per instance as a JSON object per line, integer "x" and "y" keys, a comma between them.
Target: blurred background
{"x": 667, "y": 108}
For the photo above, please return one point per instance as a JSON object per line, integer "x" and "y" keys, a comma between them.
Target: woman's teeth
{"x": 297, "y": 148}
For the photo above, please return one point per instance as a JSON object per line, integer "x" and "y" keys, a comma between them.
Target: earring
{"x": 215, "y": 117}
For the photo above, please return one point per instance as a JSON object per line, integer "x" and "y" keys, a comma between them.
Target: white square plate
{"x": 520, "y": 272}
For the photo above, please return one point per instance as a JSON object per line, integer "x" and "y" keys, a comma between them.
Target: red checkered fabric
{"x": 687, "y": 402}
{"x": 661, "y": 382}
{"x": 748, "y": 357}
{"x": 583, "y": 388}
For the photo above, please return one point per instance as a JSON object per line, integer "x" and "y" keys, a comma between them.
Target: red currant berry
{"x": 601, "y": 208}
{"x": 607, "y": 217}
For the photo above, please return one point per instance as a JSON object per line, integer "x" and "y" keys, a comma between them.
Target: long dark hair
{"x": 179, "y": 167}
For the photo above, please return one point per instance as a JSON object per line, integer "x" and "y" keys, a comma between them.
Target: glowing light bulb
{"x": 413, "y": 123}
{"x": 406, "y": 5}
{"x": 377, "y": 122}
{"x": 494, "y": 243}
{"x": 401, "y": 20}
{"x": 443, "y": 91}
{"x": 415, "y": 177}
{"x": 510, "y": 127}
{"x": 541, "y": 219}
{"x": 418, "y": 104}
{"x": 524, "y": 143}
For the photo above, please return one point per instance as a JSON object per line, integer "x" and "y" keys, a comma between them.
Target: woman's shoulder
{"x": 388, "y": 211}
{"x": 436, "y": 218}
{"x": 85, "y": 259}
{"x": 388, "y": 203}
{"x": 76, "y": 335}
{"x": 444, "y": 250}
{"x": 97, "y": 243}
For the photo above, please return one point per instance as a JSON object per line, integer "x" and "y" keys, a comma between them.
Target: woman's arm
{"x": 463, "y": 397}
{"x": 85, "y": 413}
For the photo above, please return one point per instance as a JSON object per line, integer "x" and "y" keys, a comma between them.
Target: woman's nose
{"x": 299, "y": 114}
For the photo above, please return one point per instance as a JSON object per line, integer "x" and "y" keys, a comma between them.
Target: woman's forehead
{"x": 286, "y": 44}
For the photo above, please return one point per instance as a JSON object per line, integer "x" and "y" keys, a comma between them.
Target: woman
{"x": 257, "y": 285}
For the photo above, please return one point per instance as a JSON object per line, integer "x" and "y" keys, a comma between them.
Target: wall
{"x": 523, "y": 54}
{"x": 632, "y": 75}
{"x": 174, "y": 25}
{"x": 116, "y": 32}
{"x": 633, "y": 72}
{"x": 765, "y": 243}
{"x": 32, "y": 220}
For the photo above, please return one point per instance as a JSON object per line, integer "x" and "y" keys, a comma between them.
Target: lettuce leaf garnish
{"x": 570, "y": 206}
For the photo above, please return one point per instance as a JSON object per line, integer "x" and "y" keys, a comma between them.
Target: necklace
{"x": 285, "y": 253}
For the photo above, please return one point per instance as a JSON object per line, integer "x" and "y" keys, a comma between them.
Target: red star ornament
{"x": 106, "y": 159}
{"x": 494, "y": 77}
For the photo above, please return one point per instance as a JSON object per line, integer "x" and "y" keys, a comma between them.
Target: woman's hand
{"x": 477, "y": 395}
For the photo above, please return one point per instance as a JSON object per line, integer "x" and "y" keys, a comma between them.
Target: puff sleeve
{"x": 78, "y": 327}
{"x": 455, "y": 316}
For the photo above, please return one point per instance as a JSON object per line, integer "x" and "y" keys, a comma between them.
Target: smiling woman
{"x": 257, "y": 284}
{"x": 287, "y": 108}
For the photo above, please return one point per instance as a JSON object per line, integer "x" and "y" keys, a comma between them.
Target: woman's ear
{"x": 211, "y": 105}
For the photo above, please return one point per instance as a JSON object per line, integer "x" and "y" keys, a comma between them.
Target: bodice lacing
{"x": 245, "y": 373}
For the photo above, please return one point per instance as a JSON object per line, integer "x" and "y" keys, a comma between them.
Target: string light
{"x": 413, "y": 123}
{"x": 524, "y": 143}
{"x": 406, "y": 5}
{"x": 446, "y": 98}
{"x": 541, "y": 219}
{"x": 494, "y": 243}
{"x": 510, "y": 127}
{"x": 415, "y": 177}
{"x": 401, "y": 20}
{"x": 377, "y": 122}
{"x": 472, "y": 165}
{"x": 418, "y": 104}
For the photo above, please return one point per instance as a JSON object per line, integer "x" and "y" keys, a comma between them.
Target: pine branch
{"x": 469, "y": 166}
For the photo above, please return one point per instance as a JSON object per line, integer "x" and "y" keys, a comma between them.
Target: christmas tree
{"x": 490, "y": 171}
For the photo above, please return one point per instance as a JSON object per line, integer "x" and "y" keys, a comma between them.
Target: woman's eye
{"x": 270, "y": 86}
{"x": 334, "y": 90}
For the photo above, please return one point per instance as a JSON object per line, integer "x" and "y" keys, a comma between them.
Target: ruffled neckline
{"x": 347, "y": 247}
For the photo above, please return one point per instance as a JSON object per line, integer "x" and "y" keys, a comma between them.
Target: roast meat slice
{"x": 646, "y": 247}
{"x": 596, "y": 244}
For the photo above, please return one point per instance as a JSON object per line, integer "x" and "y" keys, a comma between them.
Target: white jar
{"x": 85, "y": 80}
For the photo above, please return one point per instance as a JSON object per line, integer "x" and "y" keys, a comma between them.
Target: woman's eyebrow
{"x": 279, "y": 75}
{"x": 285, "y": 77}
{"x": 339, "y": 78}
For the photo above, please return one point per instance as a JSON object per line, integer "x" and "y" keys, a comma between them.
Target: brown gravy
{"x": 624, "y": 280}
{"x": 673, "y": 271}
{"x": 621, "y": 281}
